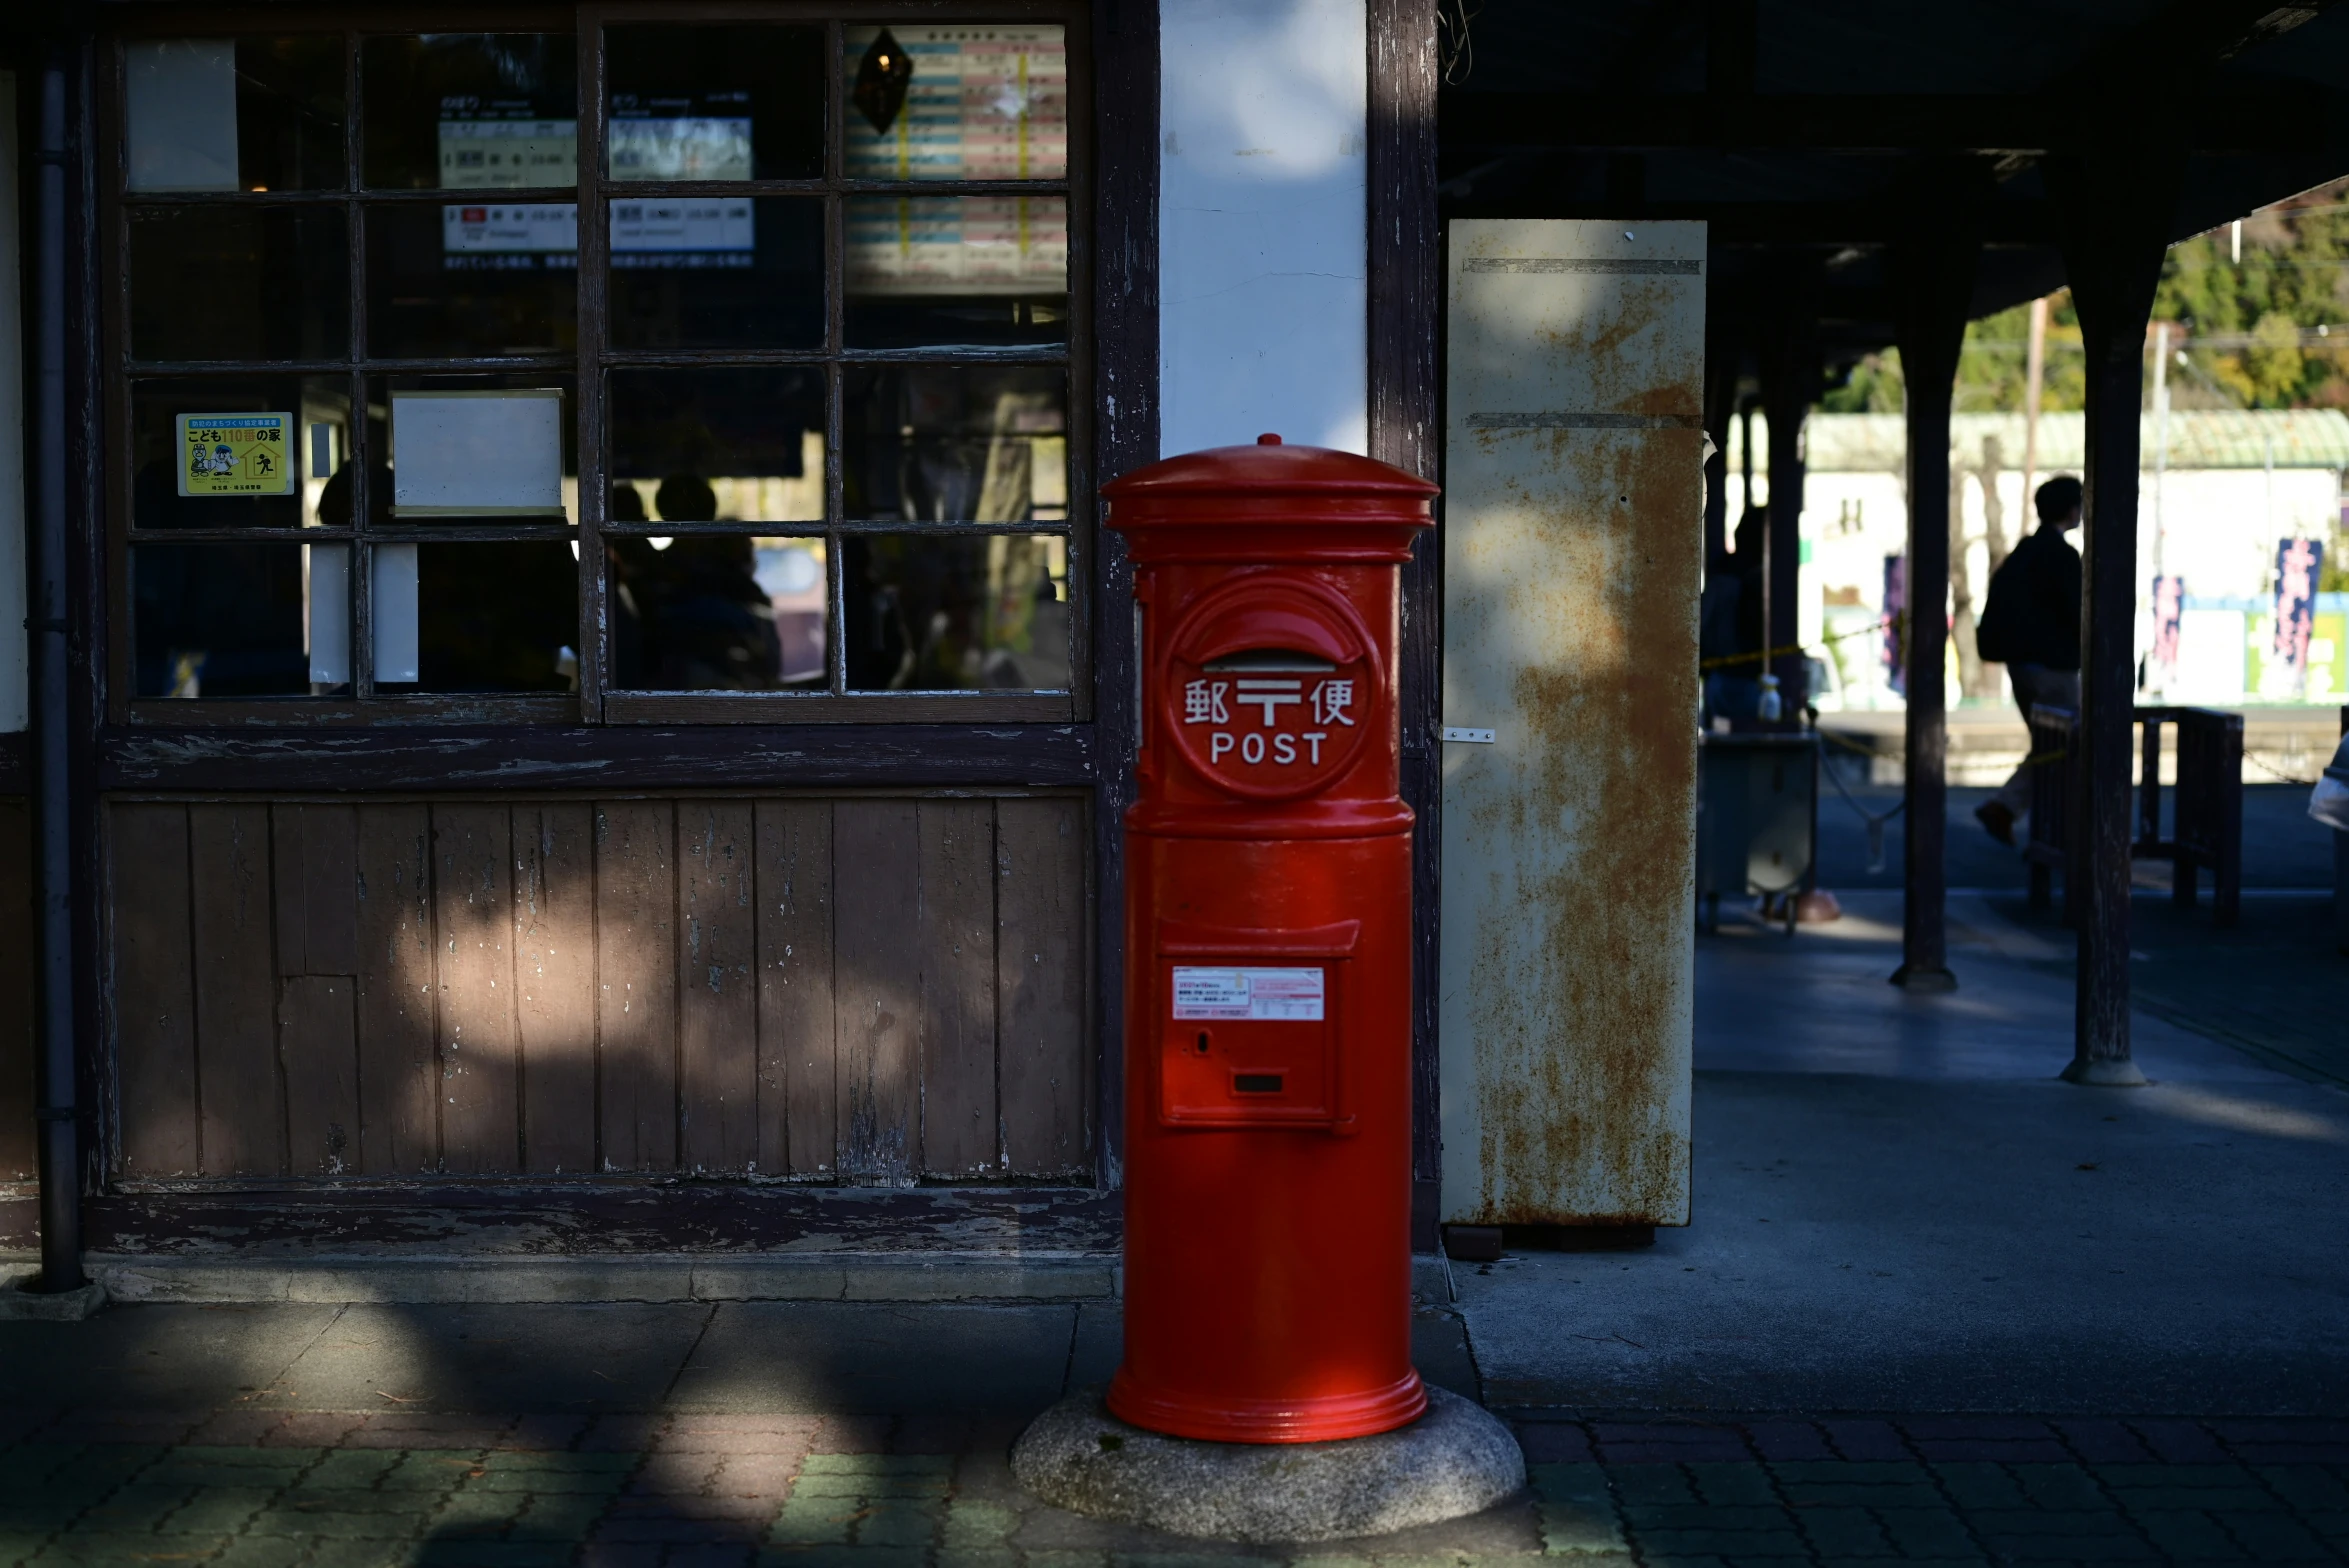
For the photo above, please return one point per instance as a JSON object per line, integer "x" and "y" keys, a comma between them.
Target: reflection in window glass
{"x": 978, "y": 103}
{"x": 243, "y": 114}
{"x": 248, "y": 452}
{"x": 467, "y": 449}
{"x": 717, "y": 272}
{"x": 487, "y": 278}
{"x": 219, "y": 620}
{"x": 931, "y": 270}
{"x": 756, "y": 436}
{"x": 932, "y": 613}
{"x": 239, "y": 283}
{"x": 716, "y": 103}
{"x": 966, "y": 443}
{"x": 470, "y": 111}
{"x": 498, "y": 616}
{"x": 717, "y": 612}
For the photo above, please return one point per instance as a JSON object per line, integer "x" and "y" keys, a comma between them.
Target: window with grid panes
{"x": 741, "y": 387}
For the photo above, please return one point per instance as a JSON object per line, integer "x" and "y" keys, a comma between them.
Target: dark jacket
{"x": 2033, "y": 614}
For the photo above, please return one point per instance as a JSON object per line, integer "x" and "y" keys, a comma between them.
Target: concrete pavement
{"x": 2108, "y": 1323}
{"x": 1898, "y": 1207}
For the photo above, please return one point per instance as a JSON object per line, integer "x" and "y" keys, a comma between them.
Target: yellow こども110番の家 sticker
{"x": 236, "y": 454}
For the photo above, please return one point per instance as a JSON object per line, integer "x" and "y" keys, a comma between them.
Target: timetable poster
{"x": 984, "y": 103}
{"x": 968, "y": 245}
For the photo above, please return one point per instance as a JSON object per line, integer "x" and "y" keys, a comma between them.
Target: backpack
{"x": 1995, "y": 628}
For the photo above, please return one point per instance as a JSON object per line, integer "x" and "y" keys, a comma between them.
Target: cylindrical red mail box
{"x": 1268, "y": 950}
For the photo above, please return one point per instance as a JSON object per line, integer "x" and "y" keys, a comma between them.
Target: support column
{"x": 1933, "y": 282}
{"x": 52, "y": 662}
{"x": 2114, "y": 206}
{"x": 1790, "y": 384}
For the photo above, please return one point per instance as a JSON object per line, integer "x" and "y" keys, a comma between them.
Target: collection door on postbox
{"x": 1251, "y": 1023}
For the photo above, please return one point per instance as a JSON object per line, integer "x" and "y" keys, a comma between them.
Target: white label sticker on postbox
{"x": 1247, "y": 993}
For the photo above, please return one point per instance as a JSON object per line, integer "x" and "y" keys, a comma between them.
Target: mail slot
{"x": 1268, "y": 929}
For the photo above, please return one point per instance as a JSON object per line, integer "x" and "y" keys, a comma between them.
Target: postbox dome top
{"x": 1271, "y": 467}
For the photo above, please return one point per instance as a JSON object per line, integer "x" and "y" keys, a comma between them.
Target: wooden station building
{"x": 573, "y": 697}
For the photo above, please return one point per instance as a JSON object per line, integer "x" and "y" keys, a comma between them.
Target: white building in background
{"x": 2236, "y": 483}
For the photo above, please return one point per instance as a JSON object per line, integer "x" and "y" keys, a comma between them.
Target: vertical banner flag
{"x": 2298, "y": 565}
{"x": 2169, "y": 613}
{"x": 1896, "y": 623}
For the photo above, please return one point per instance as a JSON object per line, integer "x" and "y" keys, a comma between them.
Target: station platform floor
{"x": 1934, "y": 1307}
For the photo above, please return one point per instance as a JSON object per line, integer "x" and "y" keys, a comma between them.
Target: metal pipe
{"x": 61, "y": 1216}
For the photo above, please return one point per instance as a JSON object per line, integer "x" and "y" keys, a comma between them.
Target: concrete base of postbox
{"x": 1456, "y": 1459}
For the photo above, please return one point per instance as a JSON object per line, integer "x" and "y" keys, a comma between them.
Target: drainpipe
{"x": 61, "y": 1217}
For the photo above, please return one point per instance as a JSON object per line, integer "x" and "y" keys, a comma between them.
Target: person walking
{"x": 2031, "y": 624}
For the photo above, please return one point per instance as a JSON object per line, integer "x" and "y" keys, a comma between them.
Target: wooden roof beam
{"x": 2276, "y": 118}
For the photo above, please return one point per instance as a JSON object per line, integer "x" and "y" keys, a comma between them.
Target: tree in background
{"x": 2269, "y": 332}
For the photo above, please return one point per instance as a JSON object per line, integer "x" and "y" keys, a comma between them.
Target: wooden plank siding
{"x": 873, "y": 990}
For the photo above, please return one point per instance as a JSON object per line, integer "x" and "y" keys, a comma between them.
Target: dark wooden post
{"x": 2113, "y": 204}
{"x": 1933, "y": 282}
{"x": 1790, "y": 384}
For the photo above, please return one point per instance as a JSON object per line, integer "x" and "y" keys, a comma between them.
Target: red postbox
{"x": 1268, "y": 950}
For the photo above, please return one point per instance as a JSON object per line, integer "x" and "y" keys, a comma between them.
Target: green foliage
{"x": 2251, "y": 326}
{"x": 2248, "y": 330}
{"x": 1992, "y": 367}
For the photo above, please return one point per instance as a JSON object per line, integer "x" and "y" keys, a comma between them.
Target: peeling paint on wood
{"x": 1573, "y": 540}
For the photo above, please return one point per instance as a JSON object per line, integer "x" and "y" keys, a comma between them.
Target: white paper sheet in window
{"x": 477, "y": 454}
{"x": 183, "y": 114}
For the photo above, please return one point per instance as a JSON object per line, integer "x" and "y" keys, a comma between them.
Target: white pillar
{"x": 1263, "y": 241}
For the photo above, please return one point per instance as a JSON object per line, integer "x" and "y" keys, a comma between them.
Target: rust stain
{"x": 1584, "y": 554}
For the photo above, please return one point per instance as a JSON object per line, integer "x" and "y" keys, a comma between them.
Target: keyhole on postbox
{"x": 1202, "y": 1042}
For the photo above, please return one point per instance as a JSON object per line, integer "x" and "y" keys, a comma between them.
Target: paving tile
{"x": 971, "y": 1525}
{"x": 761, "y": 1475}
{"x": 2307, "y": 1486}
{"x": 1728, "y": 1543}
{"x": 1729, "y": 1484}
{"x": 2103, "y": 1442}
{"x": 1927, "y": 1532}
{"x": 1839, "y": 1533}
{"x": 623, "y": 1433}
{"x": 2181, "y": 1442}
{"x": 545, "y": 1432}
{"x": 280, "y": 1551}
{"x": 347, "y": 1470}
{"x": 1549, "y": 1442}
{"x": 99, "y": 1549}
{"x": 2275, "y": 1537}
{"x": 226, "y": 1509}
{"x": 244, "y": 1427}
{"x": 1788, "y": 1440}
{"x": 138, "y": 1506}
{"x": 1869, "y": 1440}
{"x": 622, "y": 1554}
{"x": 854, "y": 1434}
{"x": 1976, "y": 1486}
{"x": 2184, "y": 1535}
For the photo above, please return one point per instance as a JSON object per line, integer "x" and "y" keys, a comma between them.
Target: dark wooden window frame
{"x": 594, "y": 704}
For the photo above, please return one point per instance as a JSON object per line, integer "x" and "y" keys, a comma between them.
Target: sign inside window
{"x": 681, "y": 232}
{"x": 236, "y": 454}
{"x": 984, "y": 103}
{"x": 477, "y": 454}
{"x": 494, "y": 143}
{"x": 692, "y": 136}
{"x": 914, "y": 245}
